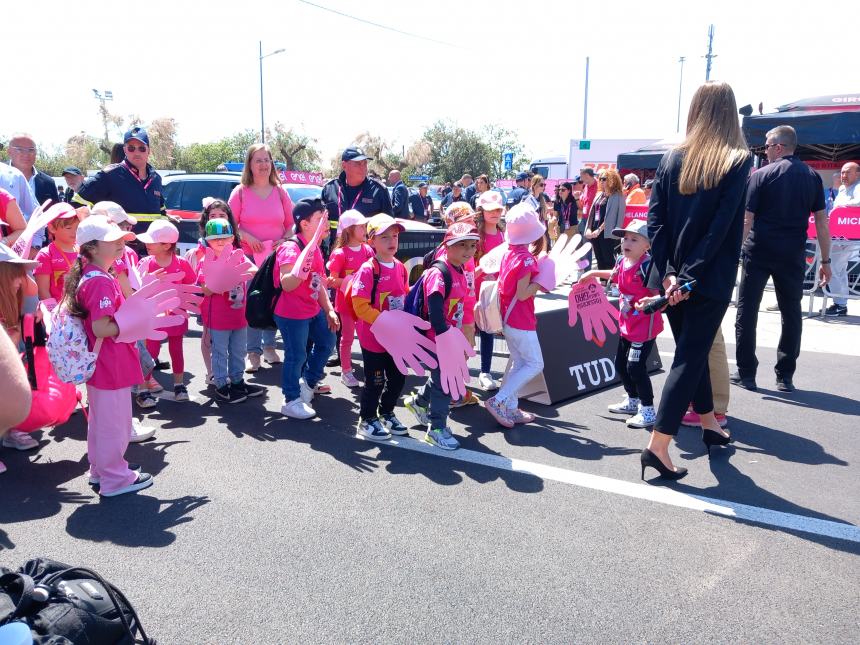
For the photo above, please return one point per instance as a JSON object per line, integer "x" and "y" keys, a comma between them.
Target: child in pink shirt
{"x": 161, "y": 238}
{"x": 224, "y": 319}
{"x": 56, "y": 259}
{"x": 490, "y": 207}
{"x": 638, "y": 330}
{"x": 350, "y": 252}
{"x": 94, "y": 295}
{"x": 524, "y": 233}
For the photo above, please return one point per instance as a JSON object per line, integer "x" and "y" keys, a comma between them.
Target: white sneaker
{"x": 306, "y": 393}
{"x": 644, "y": 418}
{"x": 627, "y": 406}
{"x": 271, "y": 356}
{"x": 140, "y": 432}
{"x": 253, "y": 363}
{"x": 297, "y": 409}
{"x": 144, "y": 480}
{"x": 487, "y": 382}
{"x": 19, "y": 441}
{"x": 373, "y": 430}
{"x": 349, "y": 379}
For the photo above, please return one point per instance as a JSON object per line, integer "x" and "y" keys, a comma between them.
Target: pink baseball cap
{"x": 349, "y": 218}
{"x": 522, "y": 225}
{"x": 490, "y": 200}
{"x": 160, "y": 231}
{"x": 61, "y": 210}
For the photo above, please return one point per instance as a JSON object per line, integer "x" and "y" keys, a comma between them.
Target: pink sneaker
{"x": 499, "y": 412}
{"x": 692, "y": 419}
{"x": 521, "y": 416}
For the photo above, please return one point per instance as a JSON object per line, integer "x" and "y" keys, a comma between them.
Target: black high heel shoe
{"x": 714, "y": 438}
{"x": 648, "y": 458}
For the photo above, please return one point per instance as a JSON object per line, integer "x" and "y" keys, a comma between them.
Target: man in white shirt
{"x": 842, "y": 250}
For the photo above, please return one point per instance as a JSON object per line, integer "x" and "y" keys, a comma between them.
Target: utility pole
{"x": 102, "y": 98}
{"x": 262, "y": 118}
{"x": 710, "y": 56}
{"x": 585, "y": 108}
{"x": 680, "y": 88}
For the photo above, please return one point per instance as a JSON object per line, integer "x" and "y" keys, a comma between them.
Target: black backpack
{"x": 263, "y": 294}
{"x": 64, "y": 605}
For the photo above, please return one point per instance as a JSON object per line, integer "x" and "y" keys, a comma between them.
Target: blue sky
{"x": 513, "y": 63}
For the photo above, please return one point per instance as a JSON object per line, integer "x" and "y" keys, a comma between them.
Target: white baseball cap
{"x": 113, "y": 211}
{"x": 350, "y": 218}
{"x": 160, "y": 231}
{"x": 97, "y": 228}
{"x": 8, "y": 255}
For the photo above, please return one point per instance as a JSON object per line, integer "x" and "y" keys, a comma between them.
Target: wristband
{"x": 827, "y": 261}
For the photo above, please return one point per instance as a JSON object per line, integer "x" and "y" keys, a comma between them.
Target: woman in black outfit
{"x": 566, "y": 207}
{"x": 695, "y": 222}
{"x": 606, "y": 214}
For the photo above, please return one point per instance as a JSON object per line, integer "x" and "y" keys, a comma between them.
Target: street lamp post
{"x": 262, "y": 118}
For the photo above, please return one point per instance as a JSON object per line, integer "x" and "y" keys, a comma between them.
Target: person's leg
{"x": 347, "y": 332}
{"x": 637, "y": 372}
{"x": 718, "y": 371}
{"x": 236, "y": 349}
{"x": 439, "y": 402}
{"x": 840, "y": 253}
{"x": 395, "y": 380}
{"x": 788, "y": 284}
{"x": 108, "y": 432}
{"x": 510, "y": 381}
{"x": 206, "y": 350}
{"x": 621, "y": 368}
{"x": 267, "y": 338}
{"x": 530, "y": 364}
{"x": 374, "y": 381}
{"x": 177, "y": 358}
{"x": 324, "y": 340}
{"x": 295, "y": 336}
{"x": 487, "y": 343}
{"x": 220, "y": 340}
{"x": 154, "y": 348}
{"x": 750, "y": 292}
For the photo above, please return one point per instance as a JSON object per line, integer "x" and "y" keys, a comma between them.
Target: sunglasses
{"x": 601, "y": 179}
{"x": 138, "y": 148}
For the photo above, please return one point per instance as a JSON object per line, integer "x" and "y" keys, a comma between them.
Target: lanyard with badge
{"x": 340, "y": 200}
{"x": 131, "y": 169}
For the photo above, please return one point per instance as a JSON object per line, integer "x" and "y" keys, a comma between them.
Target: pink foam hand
{"x": 303, "y": 263}
{"x": 554, "y": 268}
{"x": 397, "y": 331}
{"x": 225, "y": 271}
{"x": 587, "y": 301}
{"x": 452, "y": 352}
{"x": 260, "y": 257}
{"x": 38, "y": 220}
{"x": 47, "y": 306}
{"x": 491, "y": 263}
{"x": 145, "y": 312}
{"x": 190, "y": 295}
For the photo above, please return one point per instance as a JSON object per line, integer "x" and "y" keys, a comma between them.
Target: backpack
{"x": 68, "y": 346}
{"x": 264, "y": 291}
{"x": 488, "y": 309}
{"x": 415, "y": 302}
{"x": 60, "y": 604}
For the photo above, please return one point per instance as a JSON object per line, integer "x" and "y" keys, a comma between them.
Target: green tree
{"x": 454, "y": 150}
{"x": 206, "y": 157}
{"x": 297, "y": 151}
{"x": 85, "y": 152}
{"x": 501, "y": 140}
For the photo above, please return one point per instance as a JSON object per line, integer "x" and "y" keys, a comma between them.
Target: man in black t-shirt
{"x": 780, "y": 198}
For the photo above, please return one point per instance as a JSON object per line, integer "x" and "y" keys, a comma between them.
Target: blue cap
{"x": 522, "y": 176}
{"x": 354, "y": 154}
{"x": 138, "y": 133}
{"x": 73, "y": 170}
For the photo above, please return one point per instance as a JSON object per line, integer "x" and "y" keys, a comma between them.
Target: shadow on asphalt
{"x": 815, "y": 400}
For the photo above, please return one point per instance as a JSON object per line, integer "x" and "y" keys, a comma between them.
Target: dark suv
{"x": 184, "y": 194}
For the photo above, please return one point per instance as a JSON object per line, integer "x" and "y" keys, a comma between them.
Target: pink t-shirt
{"x": 391, "y": 290}
{"x": 129, "y": 258}
{"x": 342, "y": 263}
{"x": 55, "y": 263}
{"x": 300, "y": 303}
{"x": 516, "y": 263}
{"x": 265, "y": 219}
{"x": 471, "y": 296}
{"x": 5, "y": 199}
{"x": 490, "y": 242}
{"x": 177, "y": 265}
{"x": 118, "y": 365}
{"x": 635, "y": 327}
{"x": 223, "y": 311}
{"x": 455, "y": 306}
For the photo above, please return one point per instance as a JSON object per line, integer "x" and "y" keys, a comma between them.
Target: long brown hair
{"x": 248, "y": 177}
{"x": 479, "y": 223}
{"x": 11, "y": 301}
{"x": 73, "y": 279}
{"x": 714, "y": 143}
{"x": 343, "y": 239}
{"x": 541, "y": 199}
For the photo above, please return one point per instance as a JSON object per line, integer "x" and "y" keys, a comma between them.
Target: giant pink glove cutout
{"x": 39, "y": 219}
{"x": 588, "y": 301}
{"x": 190, "y": 295}
{"x": 144, "y": 312}
{"x": 397, "y": 331}
{"x": 260, "y": 257}
{"x": 554, "y": 268}
{"x": 491, "y": 263}
{"x": 452, "y": 352}
{"x": 303, "y": 263}
{"x": 226, "y": 271}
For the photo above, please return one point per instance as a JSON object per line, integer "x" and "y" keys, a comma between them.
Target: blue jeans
{"x": 487, "y": 341}
{"x": 295, "y": 334}
{"x": 228, "y": 355}
{"x": 260, "y": 338}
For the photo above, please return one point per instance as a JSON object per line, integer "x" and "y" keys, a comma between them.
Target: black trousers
{"x": 631, "y": 363}
{"x": 383, "y": 384}
{"x": 694, "y": 324}
{"x": 787, "y": 274}
{"x": 604, "y": 251}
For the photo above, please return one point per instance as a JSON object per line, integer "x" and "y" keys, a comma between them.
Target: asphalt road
{"x": 266, "y": 530}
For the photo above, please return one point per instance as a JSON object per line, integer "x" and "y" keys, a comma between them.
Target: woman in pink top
{"x": 264, "y": 215}
{"x": 12, "y": 222}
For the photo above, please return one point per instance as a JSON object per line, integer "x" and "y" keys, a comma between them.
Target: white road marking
{"x": 672, "y": 355}
{"x": 660, "y": 495}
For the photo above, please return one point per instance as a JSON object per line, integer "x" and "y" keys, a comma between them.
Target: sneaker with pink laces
{"x": 499, "y": 412}
{"x": 521, "y": 416}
